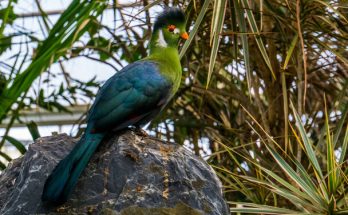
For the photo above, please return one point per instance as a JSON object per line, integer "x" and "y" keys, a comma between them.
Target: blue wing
{"x": 132, "y": 96}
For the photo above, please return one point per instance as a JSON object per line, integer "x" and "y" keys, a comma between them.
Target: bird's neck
{"x": 168, "y": 55}
{"x": 168, "y": 58}
{"x": 158, "y": 43}
{"x": 164, "y": 51}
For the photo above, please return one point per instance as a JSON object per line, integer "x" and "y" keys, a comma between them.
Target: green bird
{"x": 132, "y": 97}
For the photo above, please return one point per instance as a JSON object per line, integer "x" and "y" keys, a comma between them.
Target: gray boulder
{"x": 129, "y": 174}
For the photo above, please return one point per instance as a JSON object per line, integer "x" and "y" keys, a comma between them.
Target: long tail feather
{"x": 64, "y": 177}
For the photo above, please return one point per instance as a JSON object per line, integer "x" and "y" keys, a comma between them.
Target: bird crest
{"x": 168, "y": 17}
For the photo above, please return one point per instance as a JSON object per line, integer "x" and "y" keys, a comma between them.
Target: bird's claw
{"x": 140, "y": 132}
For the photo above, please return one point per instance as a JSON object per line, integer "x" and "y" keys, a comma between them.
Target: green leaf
{"x": 298, "y": 201}
{"x": 343, "y": 212}
{"x": 2, "y": 166}
{"x": 258, "y": 39}
{"x": 75, "y": 20}
{"x": 242, "y": 25}
{"x": 310, "y": 153}
{"x": 5, "y": 43}
{"x": 33, "y": 129}
{"x": 244, "y": 207}
{"x": 313, "y": 193}
{"x": 290, "y": 51}
{"x": 16, "y": 143}
{"x": 344, "y": 147}
{"x": 332, "y": 8}
{"x": 330, "y": 157}
{"x": 218, "y": 21}
{"x": 195, "y": 27}
{"x": 340, "y": 124}
{"x": 308, "y": 146}
{"x": 338, "y": 54}
{"x": 8, "y": 158}
{"x": 7, "y": 16}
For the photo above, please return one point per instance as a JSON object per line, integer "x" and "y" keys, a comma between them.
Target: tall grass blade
{"x": 308, "y": 146}
{"x": 344, "y": 147}
{"x": 61, "y": 37}
{"x": 4, "y": 155}
{"x": 218, "y": 21}
{"x": 253, "y": 208}
{"x": 339, "y": 55}
{"x": 290, "y": 51}
{"x": 313, "y": 193}
{"x": 195, "y": 27}
{"x": 328, "y": 4}
{"x": 298, "y": 201}
{"x": 16, "y": 143}
{"x": 33, "y": 129}
{"x": 340, "y": 124}
{"x": 2, "y": 166}
{"x": 310, "y": 154}
{"x": 242, "y": 26}
{"x": 255, "y": 30}
{"x": 330, "y": 156}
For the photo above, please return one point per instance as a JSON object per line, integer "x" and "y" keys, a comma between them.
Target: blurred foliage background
{"x": 264, "y": 93}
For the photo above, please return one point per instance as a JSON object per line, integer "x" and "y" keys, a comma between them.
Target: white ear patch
{"x": 161, "y": 42}
{"x": 176, "y": 31}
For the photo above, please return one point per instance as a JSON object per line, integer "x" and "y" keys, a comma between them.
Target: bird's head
{"x": 169, "y": 28}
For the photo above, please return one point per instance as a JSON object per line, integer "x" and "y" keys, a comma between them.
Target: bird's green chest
{"x": 169, "y": 66}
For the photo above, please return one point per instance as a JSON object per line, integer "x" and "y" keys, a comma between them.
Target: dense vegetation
{"x": 265, "y": 87}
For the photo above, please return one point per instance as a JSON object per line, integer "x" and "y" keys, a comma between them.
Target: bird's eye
{"x": 171, "y": 28}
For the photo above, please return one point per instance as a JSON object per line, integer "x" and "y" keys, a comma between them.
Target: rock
{"x": 128, "y": 174}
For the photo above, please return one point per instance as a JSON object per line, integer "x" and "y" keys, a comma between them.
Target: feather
{"x": 169, "y": 16}
{"x": 131, "y": 97}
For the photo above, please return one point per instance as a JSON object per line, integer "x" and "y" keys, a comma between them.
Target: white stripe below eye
{"x": 176, "y": 31}
{"x": 161, "y": 42}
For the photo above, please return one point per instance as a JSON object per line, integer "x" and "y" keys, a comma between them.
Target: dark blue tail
{"x": 64, "y": 177}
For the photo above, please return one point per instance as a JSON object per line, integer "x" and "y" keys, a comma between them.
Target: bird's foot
{"x": 140, "y": 132}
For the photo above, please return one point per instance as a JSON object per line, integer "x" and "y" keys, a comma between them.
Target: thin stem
{"x": 4, "y": 19}
{"x": 304, "y": 55}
